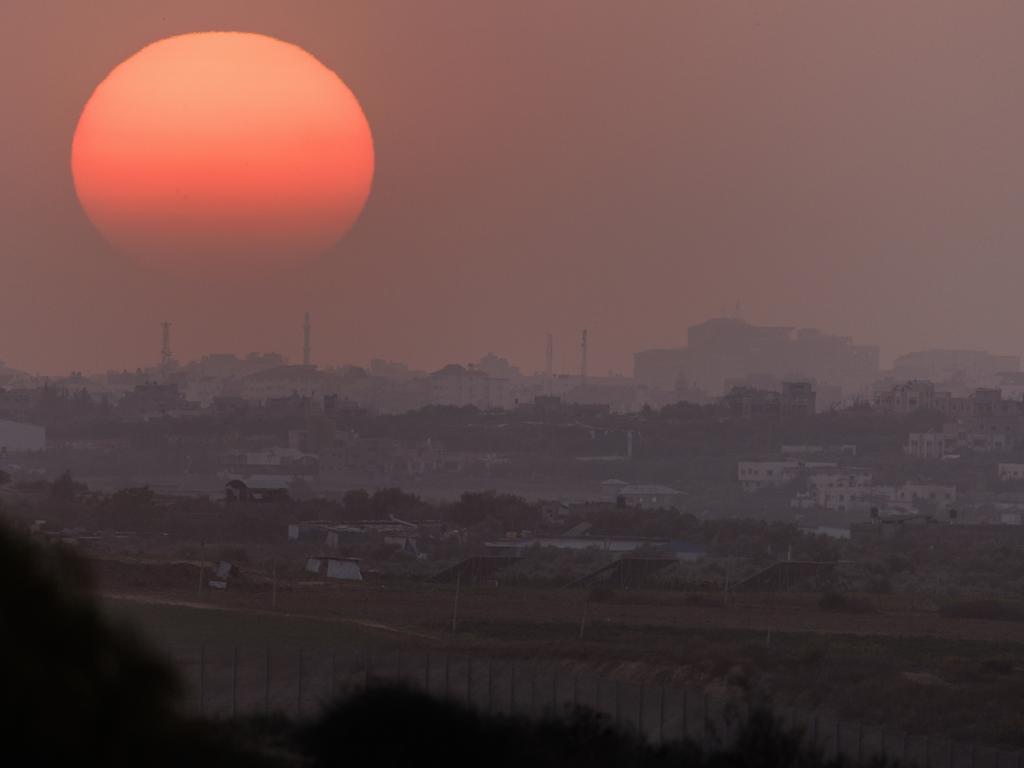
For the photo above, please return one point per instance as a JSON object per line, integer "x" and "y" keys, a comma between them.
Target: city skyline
{"x": 572, "y": 190}
{"x": 566, "y": 360}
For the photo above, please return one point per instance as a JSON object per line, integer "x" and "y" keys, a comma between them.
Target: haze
{"x": 627, "y": 168}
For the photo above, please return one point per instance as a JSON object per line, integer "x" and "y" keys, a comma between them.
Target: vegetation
{"x": 78, "y": 690}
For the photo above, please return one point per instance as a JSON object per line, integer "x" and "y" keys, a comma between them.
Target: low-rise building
{"x": 756, "y": 475}
{"x": 942, "y": 496}
{"x": 647, "y": 496}
{"x": 930, "y": 445}
{"x": 1010, "y": 472}
{"x": 906, "y": 397}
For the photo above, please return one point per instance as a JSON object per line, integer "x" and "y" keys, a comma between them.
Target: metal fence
{"x": 229, "y": 682}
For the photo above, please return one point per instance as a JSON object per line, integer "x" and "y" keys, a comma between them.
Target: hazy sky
{"x": 626, "y": 167}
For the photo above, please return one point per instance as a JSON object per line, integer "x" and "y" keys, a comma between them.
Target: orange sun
{"x": 222, "y": 152}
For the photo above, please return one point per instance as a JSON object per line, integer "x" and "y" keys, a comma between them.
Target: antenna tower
{"x": 307, "y": 356}
{"x": 165, "y": 347}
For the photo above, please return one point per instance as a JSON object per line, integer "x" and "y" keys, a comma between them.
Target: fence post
{"x": 554, "y": 691}
{"x": 202, "y": 679}
{"x": 334, "y": 674}
{"x": 661, "y": 715}
{"x": 640, "y": 711}
{"x": 704, "y": 732}
{"x": 266, "y": 685}
{"x": 234, "y": 684}
{"x": 686, "y": 720}
{"x": 298, "y": 695}
{"x": 533, "y": 691}
{"x": 490, "y": 686}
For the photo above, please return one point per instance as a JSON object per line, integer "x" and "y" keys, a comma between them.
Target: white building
{"x": 19, "y": 436}
{"x": 1011, "y": 472}
{"x": 929, "y": 445}
{"x": 943, "y": 496}
{"x": 651, "y": 497}
{"x": 340, "y": 568}
{"x": 842, "y": 488}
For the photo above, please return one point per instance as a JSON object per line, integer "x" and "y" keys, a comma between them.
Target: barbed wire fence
{"x": 228, "y": 682}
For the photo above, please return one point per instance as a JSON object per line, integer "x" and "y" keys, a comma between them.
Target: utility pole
{"x": 307, "y": 355}
{"x": 165, "y": 347}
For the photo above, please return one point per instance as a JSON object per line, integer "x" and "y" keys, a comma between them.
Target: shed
{"x": 340, "y": 568}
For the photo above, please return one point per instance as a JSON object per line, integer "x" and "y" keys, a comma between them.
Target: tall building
{"x": 722, "y": 349}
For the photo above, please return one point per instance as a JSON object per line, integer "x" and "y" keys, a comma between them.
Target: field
{"x": 884, "y": 660}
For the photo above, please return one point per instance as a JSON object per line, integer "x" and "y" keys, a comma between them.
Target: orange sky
{"x": 627, "y": 167}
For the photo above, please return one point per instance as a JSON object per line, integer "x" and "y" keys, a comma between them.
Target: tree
{"x": 356, "y": 503}
{"x": 63, "y": 489}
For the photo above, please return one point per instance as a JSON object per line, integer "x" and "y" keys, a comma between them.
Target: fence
{"x": 229, "y": 682}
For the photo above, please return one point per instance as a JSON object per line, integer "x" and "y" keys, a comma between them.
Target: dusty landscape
{"x": 810, "y": 655}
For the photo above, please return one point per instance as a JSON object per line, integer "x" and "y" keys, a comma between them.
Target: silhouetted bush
{"x": 76, "y": 689}
{"x": 398, "y": 726}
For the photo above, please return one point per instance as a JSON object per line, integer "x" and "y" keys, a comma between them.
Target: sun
{"x": 218, "y": 153}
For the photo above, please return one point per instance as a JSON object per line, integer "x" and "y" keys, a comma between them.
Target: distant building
{"x": 650, "y": 497}
{"x": 286, "y": 381}
{"x": 729, "y": 348}
{"x": 907, "y": 397}
{"x": 459, "y": 386}
{"x": 941, "y": 365}
{"x": 942, "y": 496}
{"x": 840, "y": 488}
{"x": 757, "y": 475}
{"x": 930, "y": 445}
{"x": 749, "y": 403}
{"x": 1010, "y": 472}
{"x": 795, "y": 400}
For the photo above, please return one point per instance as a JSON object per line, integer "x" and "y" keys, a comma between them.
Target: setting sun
{"x": 213, "y": 152}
